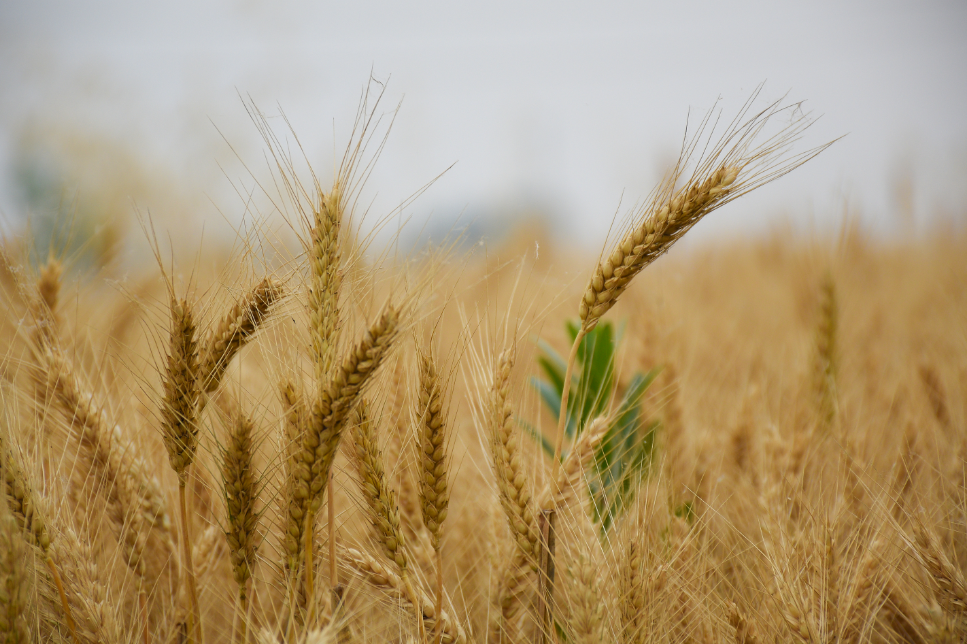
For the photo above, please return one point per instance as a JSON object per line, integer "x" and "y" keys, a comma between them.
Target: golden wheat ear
{"x": 234, "y": 331}
{"x": 15, "y": 579}
{"x": 512, "y": 480}
{"x": 179, "y": 428}
{"x": 26, "y": 510}
{"x": 240, "y": 492}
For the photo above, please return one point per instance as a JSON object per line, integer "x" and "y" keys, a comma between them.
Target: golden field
{"x": 329, "y": 442}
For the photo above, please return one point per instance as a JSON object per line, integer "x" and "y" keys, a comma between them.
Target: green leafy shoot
{"x": 626, "y": 452}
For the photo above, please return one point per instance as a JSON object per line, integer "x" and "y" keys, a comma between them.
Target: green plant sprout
{"x": 626, "y": 453}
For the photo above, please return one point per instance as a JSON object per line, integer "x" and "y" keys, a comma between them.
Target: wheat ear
{"x": 744, "y": 631}
{"x": 327, "y": 416}
{"x": 947, "y": 576}
{"x": 380, "y": 498}
{"x": 827, "y": 352}
{"x": 23, "y": 506}
{"x": 587, "y": 608}
{"x": 294, "y": 504}
{"x": 44, "y": 307}
{"x": 512, "y": 482}
{"x": 14, "y": 580}
{"x": 434, "y": 493}
{"x": 92, "y": 601}
{"x": 378, "y": 575}
{"x": 234, "y": 330}
{"x": 241, "y": 493}
{"x": 575, "y": 464}
{"x": 324, "y": 260}
{"x": 135, "y": 505}
{"x": 179, "y": 428}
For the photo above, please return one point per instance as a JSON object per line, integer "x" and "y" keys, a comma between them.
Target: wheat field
{"x": 762, "y": 440}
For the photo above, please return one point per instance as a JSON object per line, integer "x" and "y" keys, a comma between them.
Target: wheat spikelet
{"x": 324, "y": 259}
{"x": 744, "y": 630}
{"x": 240, "y": 493}
{"x": 380, "y": 576}
{"x": 44, "y": 306}
{"x": 179, "y": 409}
{"x": 380, "y": 498}
{"x": 631, "y": 593}
{"x": 587, "y": 608}
{"x": 293, "y": 504}
{"x": 827, "y": 352}
{"x": 234, "y": 330}
{"x": 949, "y": 578}
{"x": 341, "y": 394}
{"x": 434, "y": 495}
{"x": 512, "y": 482}
{"x": 14, "y": 580}
{"x": 512, "y": 584}
{"x": 92, "y": 605}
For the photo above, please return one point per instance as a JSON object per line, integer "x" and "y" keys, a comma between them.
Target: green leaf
{"x": 536, "y": 434}
{"x": 596, "y": 355}
{"x": 552, "y": 363}
{"x": 550, "y": 396}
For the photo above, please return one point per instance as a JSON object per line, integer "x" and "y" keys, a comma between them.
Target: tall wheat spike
{"x": 239, "y": 482}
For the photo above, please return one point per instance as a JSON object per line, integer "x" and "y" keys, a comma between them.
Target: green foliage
{"x": 626, "y": 453}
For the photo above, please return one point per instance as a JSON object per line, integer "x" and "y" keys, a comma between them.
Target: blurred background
{"x": 556, "y": 113}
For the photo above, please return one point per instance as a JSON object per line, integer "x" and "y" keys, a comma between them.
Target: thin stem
{"x": 242, "y": 631}
{"x": 562, "y": 417}
{"x": 194, "y": 619}
{"x": 331, "y": 509}
{"x": 63, "y": 599}
{"x": 143, "y": 603}
{"x": 545, "y": 593}
{"x": 310, "y": 516}
{"x": 417, "y": 606}
{"x": 439, "y": 598}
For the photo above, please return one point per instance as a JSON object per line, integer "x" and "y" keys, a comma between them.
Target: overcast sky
{"x": 560, "y": 106}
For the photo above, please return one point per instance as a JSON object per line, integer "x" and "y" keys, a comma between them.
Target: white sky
{"x": 563, "y": 105}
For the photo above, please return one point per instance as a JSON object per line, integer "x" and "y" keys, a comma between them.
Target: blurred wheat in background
{"x": 338, "y": 440}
